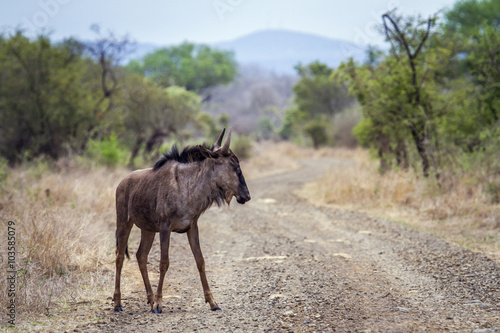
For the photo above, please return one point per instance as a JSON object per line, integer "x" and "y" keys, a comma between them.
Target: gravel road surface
{"x": 282, "y": 264}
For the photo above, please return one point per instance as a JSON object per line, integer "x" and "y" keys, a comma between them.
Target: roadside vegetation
{"x": 458, "y": 210}
{"x": 418, "y": 127}
{"x": 429, "y": 116}
{"x": 63, "y": 216}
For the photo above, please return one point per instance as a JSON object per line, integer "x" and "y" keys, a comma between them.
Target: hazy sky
{"x": 166, "y": 22}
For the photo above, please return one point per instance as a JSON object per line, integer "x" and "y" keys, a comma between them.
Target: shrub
{"x": 316, "y": 130}
{"x": 242, "y": 146}
{"x": 266, "y": 128}
{"x": 107, "y": 152}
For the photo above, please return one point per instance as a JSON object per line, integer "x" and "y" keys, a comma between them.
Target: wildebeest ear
{"x": 225, "y": 148}
{"x": 218, "y": 143}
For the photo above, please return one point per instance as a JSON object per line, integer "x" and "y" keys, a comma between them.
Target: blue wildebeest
{"x": 171, "y": 196}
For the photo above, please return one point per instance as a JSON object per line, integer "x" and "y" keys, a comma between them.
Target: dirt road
{"x": 280, "y": 263}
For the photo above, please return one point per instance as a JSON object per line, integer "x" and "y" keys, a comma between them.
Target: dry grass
{"x": 343, "y": 124}
{"x": 271, "y": 158}
{"x": 458, "y": 209}
{"x": 64, "y": 236}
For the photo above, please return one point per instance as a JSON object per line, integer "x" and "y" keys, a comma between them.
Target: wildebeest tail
{"x": 126, "y": 248}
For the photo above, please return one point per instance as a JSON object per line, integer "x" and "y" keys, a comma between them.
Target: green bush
{"x": 316, "y": 130}
{"x": 242, "y": 146}
{"x": 107, "y": 152}
{"x": 266, "y": 129}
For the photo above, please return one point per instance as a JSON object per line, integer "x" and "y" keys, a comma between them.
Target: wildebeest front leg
{"x": 147, "y": 238}
{"x": 164, "y": 244}
{"x": 194, "y": 242}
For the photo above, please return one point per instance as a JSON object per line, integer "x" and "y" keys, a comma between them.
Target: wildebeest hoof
{"x": 118, "y": 309}
{"x": 217, "y": 309}
{"x": 156, "y": 310}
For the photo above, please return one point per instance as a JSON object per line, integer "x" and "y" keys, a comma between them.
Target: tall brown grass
{"x": 64, "y": 222}
{"x": 268, "y": 158}
{"x": 343, "y": 124}
{"x": 456, "y": 207}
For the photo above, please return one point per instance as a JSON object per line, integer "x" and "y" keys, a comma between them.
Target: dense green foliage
{"x": 195, "y": 67}
{"x": 153, "y": 113}
{"x": 467, "y": 15}
{"x": 319, "y": 95}
{"x": 47, "y": 97}
{"x": 433, "y": 101}
{"x": 71, "y": 98}
{"x": 107, "y": 152}
{"x": 401, "y": 97}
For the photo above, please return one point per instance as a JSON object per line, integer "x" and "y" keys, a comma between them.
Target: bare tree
{"x": 407, "y": 40}
{"x": 108, "y": 50}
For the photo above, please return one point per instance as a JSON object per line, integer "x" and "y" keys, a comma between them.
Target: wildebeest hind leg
{"x": 147, "y": 238}
{"x": 122, "y": 233}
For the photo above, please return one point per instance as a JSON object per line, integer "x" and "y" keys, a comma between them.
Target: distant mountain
{"x": 280, "y": 50}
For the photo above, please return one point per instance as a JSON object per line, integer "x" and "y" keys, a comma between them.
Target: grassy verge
{"x": 64, "y": 223}
{"x": 458, "y": 210}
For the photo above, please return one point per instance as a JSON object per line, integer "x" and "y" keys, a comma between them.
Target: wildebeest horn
{"x": 225, "y": 148}
{"x": 218, "y": 143}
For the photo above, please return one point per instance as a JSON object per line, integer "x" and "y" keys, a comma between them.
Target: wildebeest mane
{"x": 217, "y": 195}
{"x": 189, "y": 154}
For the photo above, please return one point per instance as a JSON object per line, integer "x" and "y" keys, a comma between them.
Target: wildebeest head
{"x": 229, "y": 177}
